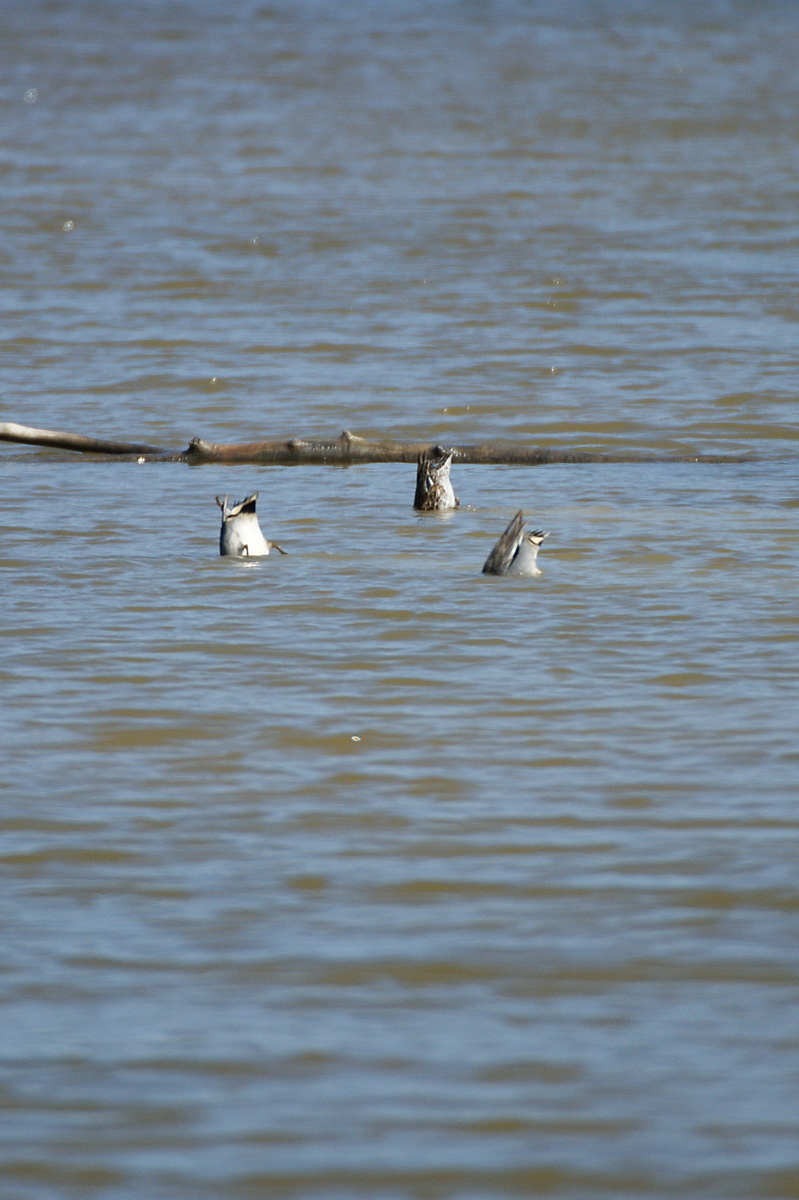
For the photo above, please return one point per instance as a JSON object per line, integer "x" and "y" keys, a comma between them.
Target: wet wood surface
{"x": 343, "y": 450}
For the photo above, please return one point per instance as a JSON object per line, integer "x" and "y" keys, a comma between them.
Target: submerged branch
{"x": 343, "y": 451}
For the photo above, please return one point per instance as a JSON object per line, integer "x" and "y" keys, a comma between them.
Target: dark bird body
{"x": 434, "y": 492}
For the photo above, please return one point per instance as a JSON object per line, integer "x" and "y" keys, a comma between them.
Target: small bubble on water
{"x": 31, "y": 96}
{"x": 68, "y": 226}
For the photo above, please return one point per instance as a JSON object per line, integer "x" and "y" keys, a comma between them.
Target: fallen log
{"x": 55, "y": 440}
{"x": 345, "y": 450}
{"x": 348, "y": 449}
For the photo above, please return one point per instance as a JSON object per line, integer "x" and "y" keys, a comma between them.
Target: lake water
{"x": 354, "y": 872}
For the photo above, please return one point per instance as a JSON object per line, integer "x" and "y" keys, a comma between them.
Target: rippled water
{"x": 356, "y": 872}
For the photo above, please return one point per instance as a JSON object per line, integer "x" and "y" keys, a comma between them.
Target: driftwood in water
{"x": 55, "y": 440}
{"x": 343, "y": 451}
{"x": 349, "y": 449}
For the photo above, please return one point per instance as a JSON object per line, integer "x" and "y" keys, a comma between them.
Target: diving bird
{"x": 516, "y": 550}
{"x": 434, "y": 491}
{"x": 240, "y": 534}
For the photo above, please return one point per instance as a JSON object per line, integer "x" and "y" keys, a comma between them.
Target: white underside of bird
{"x": 240, "y": 535}
{"x": 516, "y": 550}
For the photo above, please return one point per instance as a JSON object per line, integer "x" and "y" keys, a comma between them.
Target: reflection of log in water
{"x": 344, "y": 450}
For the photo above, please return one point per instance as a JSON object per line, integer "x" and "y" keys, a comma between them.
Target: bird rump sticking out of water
{"x": 240, "y": 535}
{"x": 516, "y": 550}
{"x": 434, "y": 491}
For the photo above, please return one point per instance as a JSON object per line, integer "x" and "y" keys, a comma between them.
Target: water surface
{"x": 356, "y": 872}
